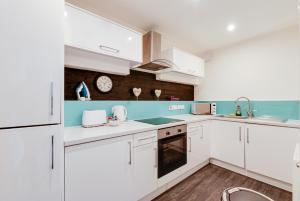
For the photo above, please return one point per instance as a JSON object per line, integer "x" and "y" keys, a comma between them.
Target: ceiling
{"x": 198, "y": 25}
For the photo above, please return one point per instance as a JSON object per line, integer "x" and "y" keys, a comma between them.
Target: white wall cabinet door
{"x": 269, "y": 150}
{"x": 100, "y": 170}
{"x": 31, "y": 164}
{"x": 198, "y": 144}
{"x": 32, "y": 55}
{"x": 87, "y": 31}
{"x": 227, "y": 142}
{"x": 145, "y": 170}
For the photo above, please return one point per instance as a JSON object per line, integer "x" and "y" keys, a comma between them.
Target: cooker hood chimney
{"x": 152, "y": 58}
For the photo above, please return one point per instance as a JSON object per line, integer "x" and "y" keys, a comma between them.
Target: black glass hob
{"x": 159, "y": 121}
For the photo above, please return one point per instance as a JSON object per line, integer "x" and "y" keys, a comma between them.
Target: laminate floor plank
{"x": 208, "y": 184}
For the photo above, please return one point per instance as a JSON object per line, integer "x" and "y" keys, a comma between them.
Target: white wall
{"x": 263, "y": 68}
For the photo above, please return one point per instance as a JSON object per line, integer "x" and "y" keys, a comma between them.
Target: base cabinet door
{"x": 269, "y": 150}
{"x": 100, "y": 170}
{"x": 31, "y": 164}
{"x": 198, "y": 149}
{"x": 227, "y": 142}
{"x": 145, "y": 170}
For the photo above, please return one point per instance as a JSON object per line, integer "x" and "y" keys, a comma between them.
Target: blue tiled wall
{"x": 148, "y": 109}
{"x": 136, "y": 109}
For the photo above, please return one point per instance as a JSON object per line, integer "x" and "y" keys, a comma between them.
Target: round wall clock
{"x": 104, "y": 84}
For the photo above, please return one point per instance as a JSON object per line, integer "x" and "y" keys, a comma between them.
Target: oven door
{"x": 172, "y": 154}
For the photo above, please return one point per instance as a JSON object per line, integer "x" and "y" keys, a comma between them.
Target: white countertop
{"x": 78, "y": 135}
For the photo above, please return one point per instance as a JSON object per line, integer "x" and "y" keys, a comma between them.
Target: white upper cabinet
{"x": 187, "y": 68}
{"x": 32, "y": 61}
{"x": 227, "y": 142}
{"x": 269, "y": 150}
{"x": 92, "y": 33}
{"x": 184, "y": 62}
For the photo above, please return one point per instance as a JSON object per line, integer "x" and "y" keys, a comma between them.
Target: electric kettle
{"x": 119, "y": 112}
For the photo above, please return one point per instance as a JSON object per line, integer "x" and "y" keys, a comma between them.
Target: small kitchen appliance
{"x": 93, "y": 118}
{"x": 119, "y": 112}
{"x": 204, "y": 108}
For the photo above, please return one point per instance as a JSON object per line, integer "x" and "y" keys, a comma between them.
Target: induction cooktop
{"x": 159, "y": 120}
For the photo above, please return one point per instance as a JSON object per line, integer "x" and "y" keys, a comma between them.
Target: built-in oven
{"x": 172, "y": 151}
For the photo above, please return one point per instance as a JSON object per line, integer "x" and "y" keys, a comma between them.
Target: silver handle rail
{"x": 156, "y": 157}
{"x": 109, "y": 49}
{"x": 52, "y": 99}
{"x": 190, "y": 144}
{"x": 147, "y": 138}
{"x": 240, "y": 134}
{"x": 52, "y": 152}
{"x": 248, "y": 140}
{"x": 130, "y": 159}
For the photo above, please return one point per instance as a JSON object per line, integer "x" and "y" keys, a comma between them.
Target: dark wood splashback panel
{"x": 122, "y": 86}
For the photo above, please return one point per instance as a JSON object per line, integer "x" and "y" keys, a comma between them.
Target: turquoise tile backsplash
{"x": 149, "y": 109}
{"x": 280, "y": 109}
{"x": 136, "y": 109}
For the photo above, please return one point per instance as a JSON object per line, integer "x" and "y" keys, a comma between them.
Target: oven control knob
{"x": 179, "y": 130}
{"x": 168, "y": 133}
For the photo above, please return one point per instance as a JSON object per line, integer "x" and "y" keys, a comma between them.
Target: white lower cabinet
{"x": 100, "y": 170}
{"x": 144, "y": 169}
{"x": 198, "y": 149}
{"x": 227, "y": 142}
{"x": 31, "y": 164}
{"x": 269, "y": 150}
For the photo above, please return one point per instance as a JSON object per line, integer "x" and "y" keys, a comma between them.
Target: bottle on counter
{"x": 238, "y": 111}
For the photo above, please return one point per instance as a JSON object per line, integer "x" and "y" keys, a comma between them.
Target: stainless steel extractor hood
{"x": 152, "y": 58}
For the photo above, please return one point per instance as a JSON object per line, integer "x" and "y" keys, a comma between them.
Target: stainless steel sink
{"x": 259, "y": 118}
{"x": 231, "y": 116}
{"x": 270, "y": 118}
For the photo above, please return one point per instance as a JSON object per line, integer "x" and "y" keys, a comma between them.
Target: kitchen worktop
{"x": 78, "y": 135}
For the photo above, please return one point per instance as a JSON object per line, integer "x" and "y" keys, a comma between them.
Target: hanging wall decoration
{"x": 82, "y": 92}
{"x": 137, "y": 92}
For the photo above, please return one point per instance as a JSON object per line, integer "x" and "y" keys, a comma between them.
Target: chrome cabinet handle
{"x": 130, "y": 159}
{"x": 298, "y": 165}
{"x": 202, "y": 130}
{"x": 52, "y": 152}
{"x": 147, "y": 138}
{"x": 52, "y": 99}
{"x": 190, "y": 144}
{"x": 240, "y": 134}
{"x": 109, "y": 49}
{"x": 156, "y": 157}
{"x": 248, "y": 141}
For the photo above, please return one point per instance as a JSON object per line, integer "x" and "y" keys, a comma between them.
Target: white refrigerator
{"x": 31, "y": 80}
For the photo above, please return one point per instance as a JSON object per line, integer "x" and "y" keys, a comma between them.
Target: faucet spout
{"x": 250, "y": 111}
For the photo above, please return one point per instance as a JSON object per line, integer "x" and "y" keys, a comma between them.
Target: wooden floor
{"x": 208, "y": 183}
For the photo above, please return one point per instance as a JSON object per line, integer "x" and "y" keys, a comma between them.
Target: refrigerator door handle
{"x": 52, "y": 152}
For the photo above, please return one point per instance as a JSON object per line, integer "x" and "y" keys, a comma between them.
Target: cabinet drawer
{"x": 144, "y": 138}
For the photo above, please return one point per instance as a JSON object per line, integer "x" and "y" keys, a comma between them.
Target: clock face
{"x": 104, "y": 84}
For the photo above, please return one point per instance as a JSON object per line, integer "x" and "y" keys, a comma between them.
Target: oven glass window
{"x": 171, "y": 154}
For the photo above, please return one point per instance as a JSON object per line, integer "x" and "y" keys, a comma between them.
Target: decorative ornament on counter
{"x": 157, "y": 93}
{"x": 137, "y": 92}
{"x": 82, "y": 92}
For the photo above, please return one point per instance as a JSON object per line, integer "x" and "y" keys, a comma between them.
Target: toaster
{"x": 93, "y": 118}
{"x": 204, "y": 108}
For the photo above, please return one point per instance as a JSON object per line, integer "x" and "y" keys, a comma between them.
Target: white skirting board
{"x": 242, "y": 171}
